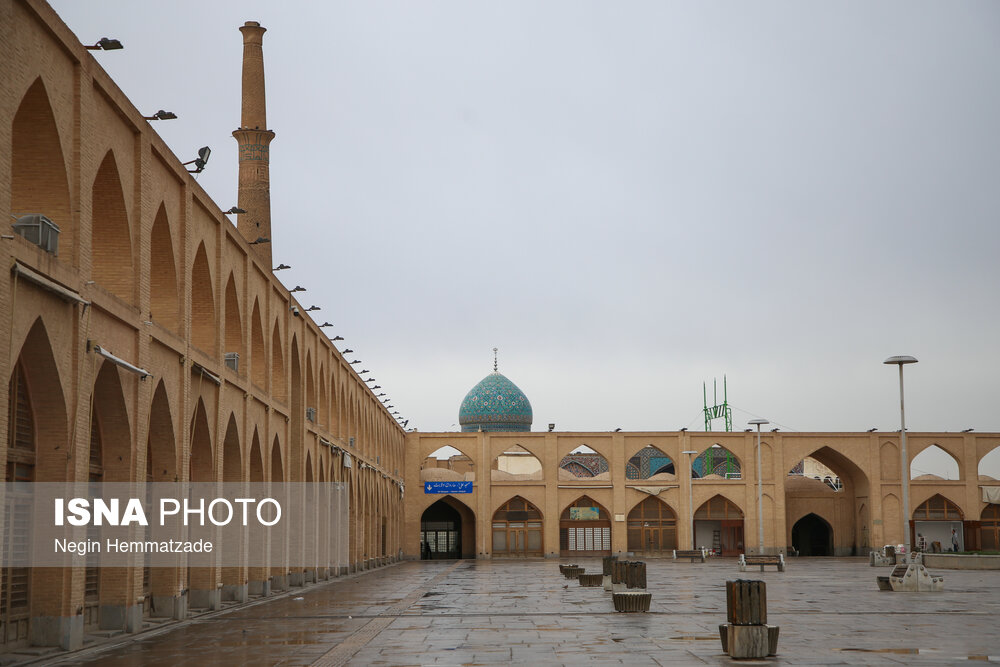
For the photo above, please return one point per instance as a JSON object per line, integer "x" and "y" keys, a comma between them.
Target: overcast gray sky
{"x": 627, "y": 198}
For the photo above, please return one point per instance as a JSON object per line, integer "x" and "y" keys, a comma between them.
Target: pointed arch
{"x": 37, "y": 157}
{"x": 583, "y": 462}
{"x": 258, "y": 355}
{"x": 256, "y": 458}
{"x": 652, "y": 527}
{"x": 447, "y": 463}
{"x": 279, "y": 383}
{"x": 517, "y": 529}
{"x": 585, "y": 528}
{"x": 232, "y": 458}
{"x": 323, "y": 400}
{"x": 201, "y": 464}
{"x": 719, "y": 516}
{"x": 164, "y": 302}
{"x": 203, "y": 324}
{"x": 309, "y": 467}
{"x": 234, "y": 322}
{"x": 310, "y": 386}
{"x": 161, "y": 446}
{"x": 650, "y": 462}
{"x": 111, "y": 419}
{"x": 277, "y": 469}
{"x": 717, "y": 462}
{"x": 934, "y": 463}
{"x": 111, "y": 238}
{"x": 989, "y": 465}
{"x": 516, "y": 463}
{"x": 889, "y": 461}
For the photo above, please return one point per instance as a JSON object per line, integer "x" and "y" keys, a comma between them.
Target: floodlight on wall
{"x": 968, "y": 430}
{"x": 382, "y": 394}
{"x": 337, "y": 338}
{"x": 347, "y": 351}
{"x": 356, "y": 361}
{"x": 552, "y": 427}
{"x": 105, "y": 44}
{"x": 378, "y": 386}
{"x": 365, "y": 370}
{"x": 199, "y": 162}
{"x": 312, "y": 308}
{"x": 405, "y": 423}
{"x": 395, "y": 412}
{"x": 236, "y": 210}
{"x": 279, "y": 267}
{"x": 121, "y": 363}
{"x": 205, "y": 373}
{"x": 389, "y": 406}
{"x": 618, "y": 429}
{"x": 684, "y": 429}
{"x": 162, "y": 115}
{"x": 260, "y": 239}
{"x": 297, "y": 288}
{"x": 872, "y": 430}
{"x": 325, "y": 324}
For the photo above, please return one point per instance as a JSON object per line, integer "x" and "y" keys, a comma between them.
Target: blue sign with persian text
{"x": 447, "y": 487}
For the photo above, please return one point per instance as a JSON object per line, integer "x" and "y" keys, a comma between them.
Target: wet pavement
{"x": 525, "y": 612}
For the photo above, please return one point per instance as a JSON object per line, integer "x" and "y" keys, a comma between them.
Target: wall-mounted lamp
{"x": 199, "y": 162}
{"x": 552, "y": 427}
{"x": 968, "y": 430}
{"x": 347, "y": 351}
{"x": 297, "y": 288}
{"x": 325, "y": 324}
{"x": 872, "y": 430}
{"x": 365, "y": 370}
{"x": 378, "y": 386}
{"x": 356, "y": 361}
{"x": 162, "y": 115}
{"x": 337, "y": 338}
{"x": 105, "y": 44}
{"x": 236, "y": 210}
{"x": 312, "y": 308}
{"x": 260, "y": 239}
{"x": 683, "y": 429}
{"x": 279, "y": 267}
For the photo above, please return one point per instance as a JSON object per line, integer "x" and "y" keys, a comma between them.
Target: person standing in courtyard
{"x": 954, "y": 540}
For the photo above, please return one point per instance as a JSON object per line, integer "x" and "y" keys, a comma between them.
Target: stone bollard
{"x": 635, "y": 575}
{"x": 618, "y": 570}
{"x": 572, "y": 571}
{"x": 608, "y": 564}
{"x": 631, "y": 601}
{"x": 590, "y": 579}
{"x": 562, "y": 568}
{"x": 747, "y": 634}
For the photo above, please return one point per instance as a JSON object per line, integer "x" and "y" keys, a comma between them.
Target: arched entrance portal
{"x": 585, "y": 529}
{"x": 812, "y": 536}
{"x": 447, "y": 530}
{"x": 517, "y": 529}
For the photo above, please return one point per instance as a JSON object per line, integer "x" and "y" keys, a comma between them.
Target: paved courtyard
{"x": 525, "y": 612}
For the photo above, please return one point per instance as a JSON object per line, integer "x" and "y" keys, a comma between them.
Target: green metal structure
{"x": 719, "y": 410}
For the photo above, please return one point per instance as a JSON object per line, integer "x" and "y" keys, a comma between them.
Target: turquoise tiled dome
{"x": 495, "y": 404}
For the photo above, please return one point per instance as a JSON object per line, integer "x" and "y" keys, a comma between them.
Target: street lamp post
{"x": 760, "y": 490}
{"x": 901, "y": 361}
{"x": 690, "y": 453}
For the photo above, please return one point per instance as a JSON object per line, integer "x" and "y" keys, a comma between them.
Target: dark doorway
{"x": 812, "y": 536}
{"x": 440, "y": 532}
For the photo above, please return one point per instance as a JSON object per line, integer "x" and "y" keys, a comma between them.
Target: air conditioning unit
{"x": 39, "y": 230}
{"x": 311, "y": 415}
{"x": 233, "y": 361}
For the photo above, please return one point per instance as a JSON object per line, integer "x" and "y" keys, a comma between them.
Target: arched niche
{"x": 36, "y": 157}
{"x": 989, "y": 528}
{"x": 203, "y": 324}
{"x": 258, "y": 354}
{"x": 164, "y": 302}
{"x": 232, "y": 458}
{"x": 889, "y": 461}
{"x": 583, "y": 463}
{"x": 812, "y": 535}
{"x": 516, "y": 463}
{"x": 650, "y": 463}
{"x": 934, "y": 464}
{"x": 989, "y": 466}
{"x": 234, "y": 327}
{"x": 717, "y": 463}
{"x": 447, "y": 464}
{"x": 111, "y": 238}
{"x": 202, "y": 462}
{"x": 279, "y": 382}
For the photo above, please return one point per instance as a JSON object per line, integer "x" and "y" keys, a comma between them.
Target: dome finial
{"x": 495, "y": 360}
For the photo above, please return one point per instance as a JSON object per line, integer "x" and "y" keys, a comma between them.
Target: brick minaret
{"x": 254, "y": 139}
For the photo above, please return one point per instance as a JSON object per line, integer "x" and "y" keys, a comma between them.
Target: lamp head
{"x": 900, "y": 360}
